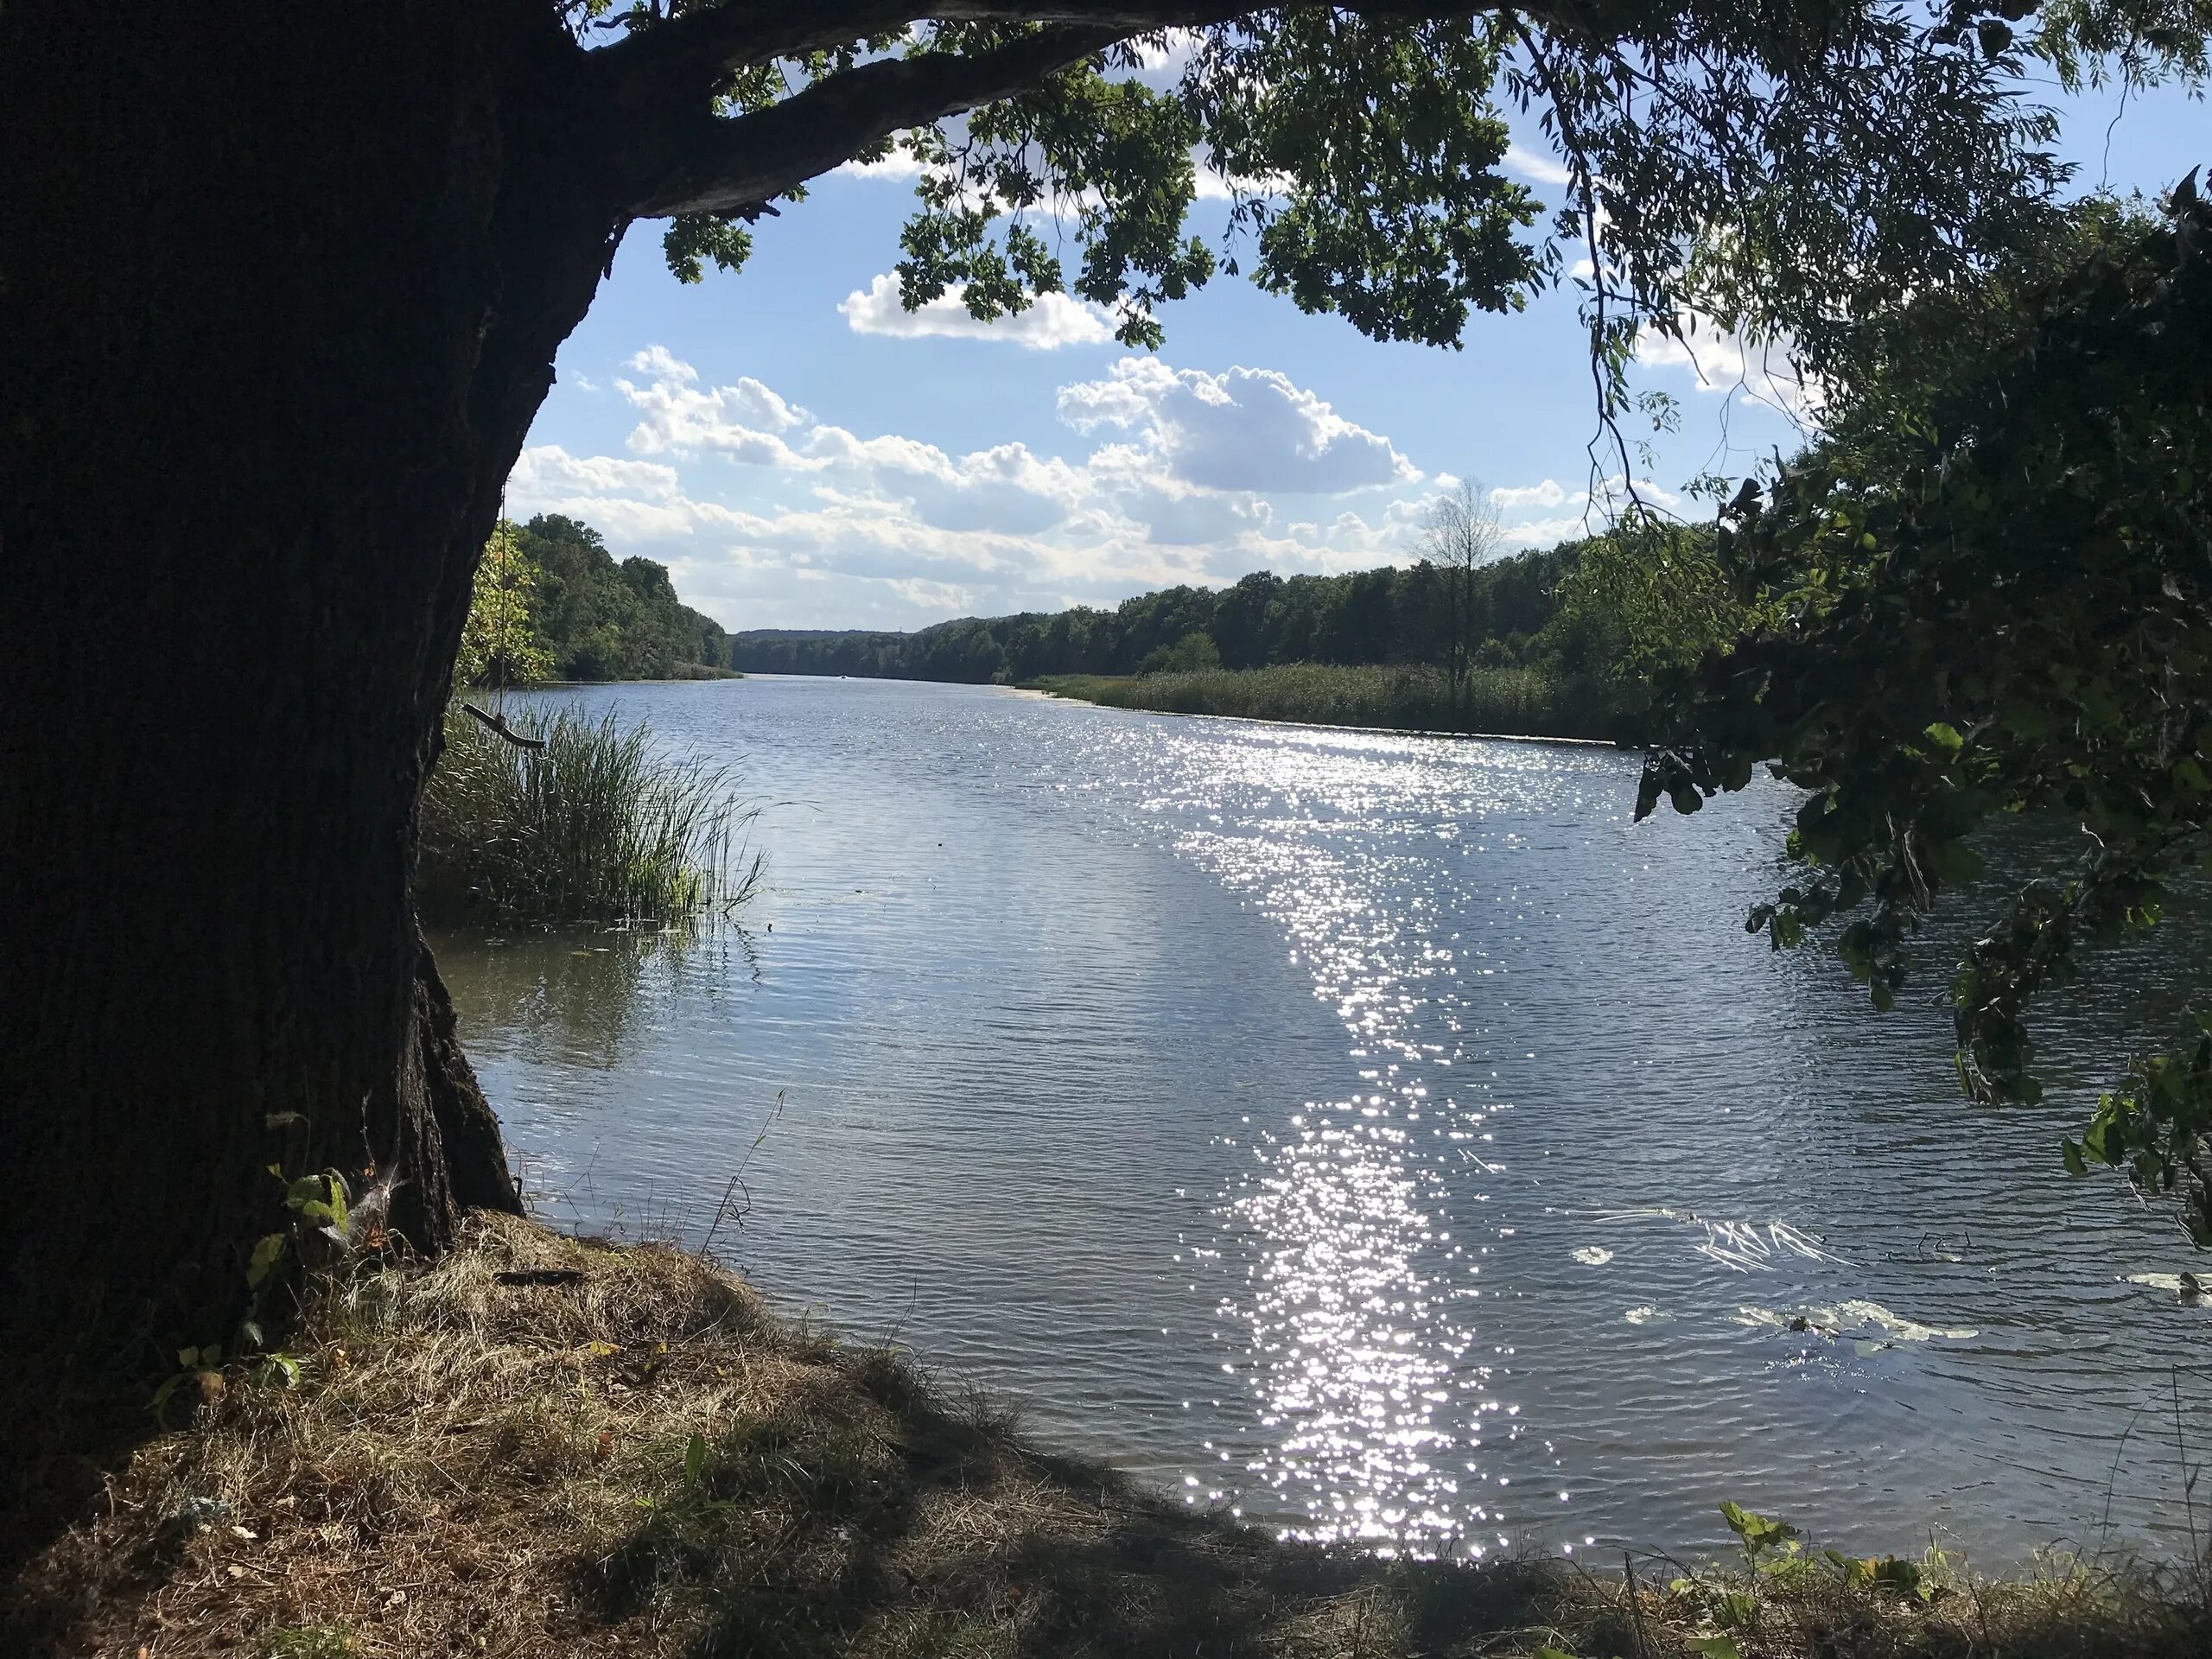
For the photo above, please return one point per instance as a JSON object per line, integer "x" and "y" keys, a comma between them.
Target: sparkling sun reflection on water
{"x": 1385, "y": 1418}
{"x": 1377, "y": 1137}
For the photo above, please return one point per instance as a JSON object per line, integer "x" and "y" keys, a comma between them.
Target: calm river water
{"x": 1380, "y": 1136}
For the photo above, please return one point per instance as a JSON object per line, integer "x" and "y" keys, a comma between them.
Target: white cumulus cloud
{"x": 1051, "y": 321}
{"x": 1536, "y": 165}
{"x": 1242, "y": 430}
{"x": 1549, "y": 493}
{"x": 746, "y": 421}
{"x": 547, "y": 470}
{"x": 771, "y": 516}
{"x": 1759, "y": 372}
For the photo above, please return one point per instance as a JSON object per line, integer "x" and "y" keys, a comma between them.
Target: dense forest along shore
{"x": 1549, "y": 643}
{"x": 1379, "y": 1137}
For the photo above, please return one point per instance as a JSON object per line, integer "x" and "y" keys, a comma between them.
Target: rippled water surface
{"x": 1380, "y": 1136}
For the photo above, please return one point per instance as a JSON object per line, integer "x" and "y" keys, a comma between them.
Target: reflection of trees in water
{"x": 583, "y": 996}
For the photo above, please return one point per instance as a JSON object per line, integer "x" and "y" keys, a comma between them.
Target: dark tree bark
{"x": 283, "y": 284}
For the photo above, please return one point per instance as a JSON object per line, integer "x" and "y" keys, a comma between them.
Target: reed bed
{"x": 1507, "y": 702}
{"x": 598, "y": 825}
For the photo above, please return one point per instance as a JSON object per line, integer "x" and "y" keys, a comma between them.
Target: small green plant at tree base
{"x": 317, "y": 1203}
{"x": 310, "y": 1642}
{"x": 693, "y": 1501}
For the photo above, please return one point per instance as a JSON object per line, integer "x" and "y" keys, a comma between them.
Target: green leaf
{"x": 268, "y": 1250}
{"x": 1759, "y": 1532}
{"x": 694, "y": 1459}
{"x": 282, "y": 1369}
{"x": 1714, "y": 1647}
{"x": 1946, "y": 737}
{"x": 1954, "y": 861}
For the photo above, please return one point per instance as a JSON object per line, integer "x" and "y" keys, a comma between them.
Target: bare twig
{"x": 498, "y": 723}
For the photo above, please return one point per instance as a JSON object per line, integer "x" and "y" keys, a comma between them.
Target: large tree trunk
{"x": 283, "y": 283}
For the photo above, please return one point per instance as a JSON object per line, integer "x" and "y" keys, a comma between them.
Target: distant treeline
{"x": 553, "y": 603}
{"x": 1387, "y": 616}
{"x": 1511, "y": 701}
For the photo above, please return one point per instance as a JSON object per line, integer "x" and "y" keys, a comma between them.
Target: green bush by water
{"x": 1510, "y": 702}
{"x": 597, "y": 826}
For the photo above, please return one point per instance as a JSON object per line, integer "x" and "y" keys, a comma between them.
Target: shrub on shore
{"x": 594, "y": 825}
{"x": 540, "y": 1445}
{"x": 1507, "y": 702}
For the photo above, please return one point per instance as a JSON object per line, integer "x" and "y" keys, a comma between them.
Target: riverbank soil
{"x": 541, "y": 1445}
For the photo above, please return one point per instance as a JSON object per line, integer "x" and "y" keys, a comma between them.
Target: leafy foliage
{"x": 500, "y": 643}
{"x": 1194, "y": 653}
{"x": 1986, "y": 597}
{"x": 1783, "y": 169}
{"x": 1383, "y": 616}
{"x": 551, "y": 602}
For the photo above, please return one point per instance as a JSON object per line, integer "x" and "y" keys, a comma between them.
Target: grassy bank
{"x": 592, "y": 824}
{"x": 622, "y": 1453}
{"x": 1509, "y": 702}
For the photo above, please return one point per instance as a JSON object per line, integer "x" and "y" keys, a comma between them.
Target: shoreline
{"x": 542, "y": 1444}
{"x": 1055, "y": 687}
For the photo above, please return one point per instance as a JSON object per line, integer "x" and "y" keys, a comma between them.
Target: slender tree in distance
{"x": 1459, "y": 534}
{"x": 286, "y": 284}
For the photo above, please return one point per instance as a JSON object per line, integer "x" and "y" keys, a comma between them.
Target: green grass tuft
{"x": 597, "y": 826}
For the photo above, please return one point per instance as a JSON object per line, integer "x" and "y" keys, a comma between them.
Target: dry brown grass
{"x": 644, "y": 1462}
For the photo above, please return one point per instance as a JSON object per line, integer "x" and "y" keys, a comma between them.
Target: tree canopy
{"x": 1786, "y": 170}
{"x": 1384, "y": 615}
{"x": 1987, "y": 595}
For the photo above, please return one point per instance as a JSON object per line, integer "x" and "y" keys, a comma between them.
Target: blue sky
{"x": 803, "y": 454}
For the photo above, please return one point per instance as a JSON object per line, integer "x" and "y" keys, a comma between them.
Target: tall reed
{"x": 596, "y": 826}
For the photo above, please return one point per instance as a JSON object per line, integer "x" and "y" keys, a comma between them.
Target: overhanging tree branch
{"x": 688, "y": 53}
{"x": 707, "y": 164}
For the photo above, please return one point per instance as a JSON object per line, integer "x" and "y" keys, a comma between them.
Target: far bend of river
{"x": 1380, "y": 1136}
